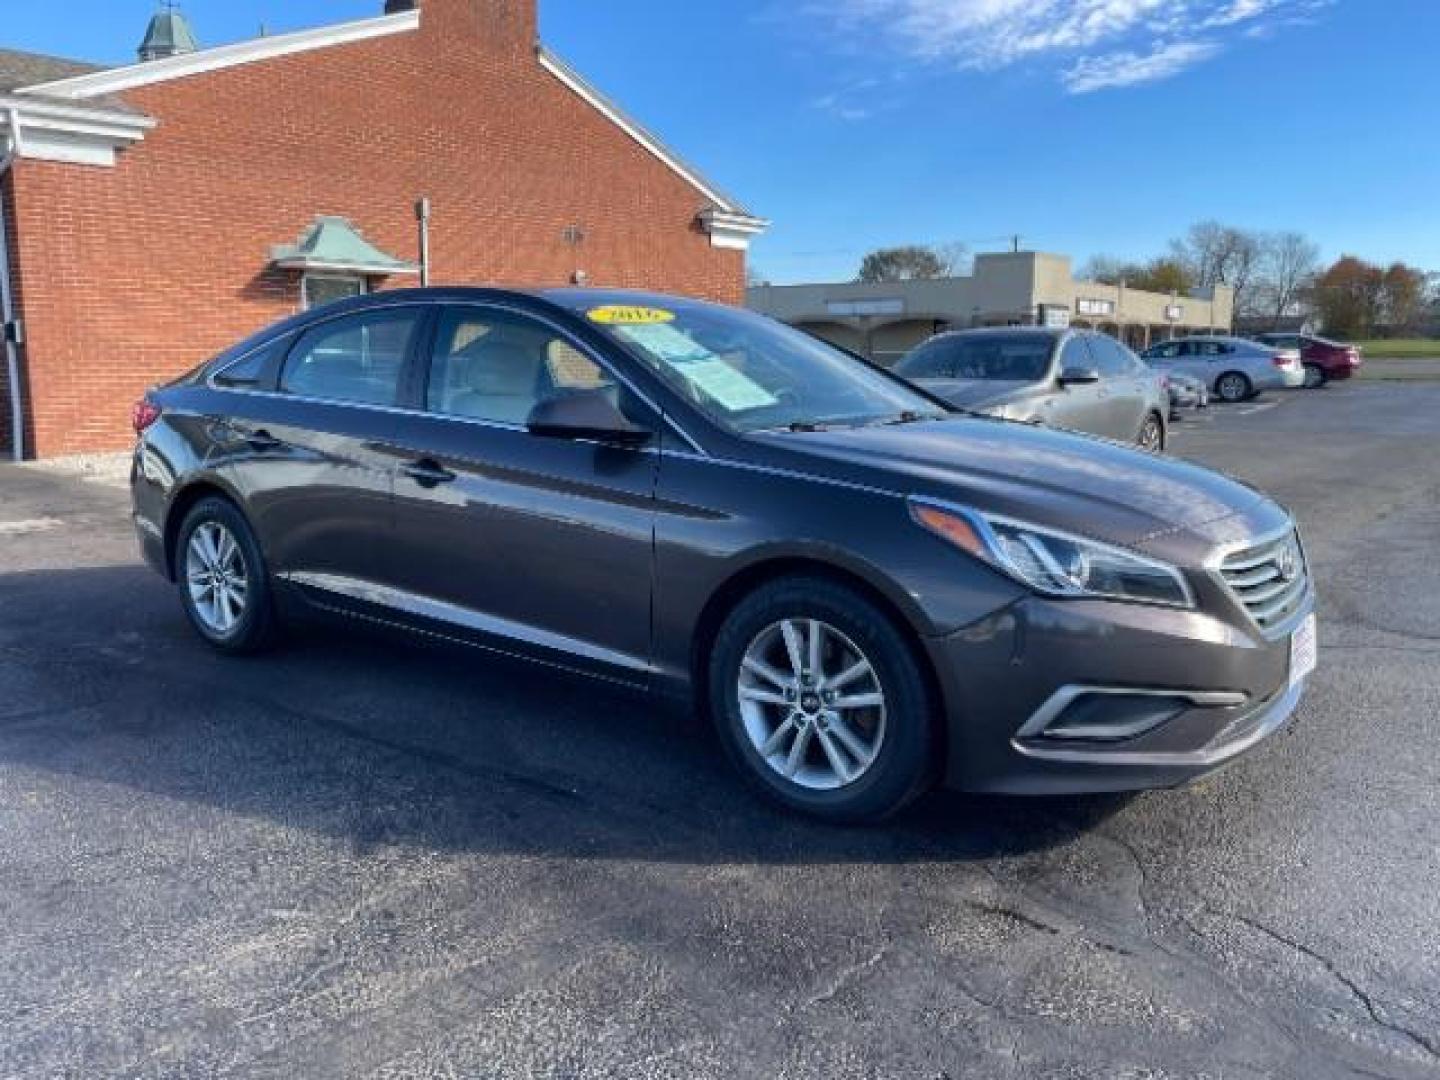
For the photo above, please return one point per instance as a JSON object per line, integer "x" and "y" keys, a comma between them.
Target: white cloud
{"x": 1108, "y": 43}
{"x": 1091, "y": 73}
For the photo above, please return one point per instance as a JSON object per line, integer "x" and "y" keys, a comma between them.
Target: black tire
{"x": 255, "y": 627}
{"x": 1152, "y": 434}
{"x": 1315, "y": 377}
{"x": 903, "y": 766}
{"x": 1234, "y": 386}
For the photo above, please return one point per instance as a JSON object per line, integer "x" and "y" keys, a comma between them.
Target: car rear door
{"x": 527, "y": 544}
{"x": 303, "y": 443}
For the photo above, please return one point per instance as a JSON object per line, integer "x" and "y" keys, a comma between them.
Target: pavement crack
{"x": 1430, "y": 1046}
{"x": 847, "y": 975}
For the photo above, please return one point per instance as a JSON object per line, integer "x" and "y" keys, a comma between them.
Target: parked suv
{"x": 1073, "y": 379}
{"x": 1235, "y": 369}
{"x": 866, "y": 592}
{"x": 1324, "y": 360}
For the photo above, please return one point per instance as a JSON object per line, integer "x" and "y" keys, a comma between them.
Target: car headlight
{"x": 1055, "y": 563}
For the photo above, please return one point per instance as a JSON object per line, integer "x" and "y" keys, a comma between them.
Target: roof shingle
{"x": 21, "y": 69}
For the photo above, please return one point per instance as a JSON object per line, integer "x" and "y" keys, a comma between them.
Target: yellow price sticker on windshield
{"x": 623, "y": 315}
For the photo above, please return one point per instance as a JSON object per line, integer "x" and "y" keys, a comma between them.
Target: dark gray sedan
{"x": 1072, "y": 379}
{"x": 867, "y": 593}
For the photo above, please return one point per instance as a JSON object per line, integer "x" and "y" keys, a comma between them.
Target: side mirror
{"x": 585, "y": 414}
{"x": 1078, "y": 376}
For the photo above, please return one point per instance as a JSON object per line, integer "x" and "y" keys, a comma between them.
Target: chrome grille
{"x": 1270, "y": 580}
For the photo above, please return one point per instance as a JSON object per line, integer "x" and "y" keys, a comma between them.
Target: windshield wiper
{"x": 909, "y": 416}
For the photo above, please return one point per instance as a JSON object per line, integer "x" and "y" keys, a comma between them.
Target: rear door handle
{"x": 428, "y": 474}
{"x": 261, "y": 440}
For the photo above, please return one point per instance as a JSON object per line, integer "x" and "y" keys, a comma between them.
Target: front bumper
{"x": 1195, "y": 690}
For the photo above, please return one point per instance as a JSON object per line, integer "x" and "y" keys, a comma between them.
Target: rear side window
{"x": 357, "y": 359}
{"x": 250, "y": 370}
{"x": 1212, "y": 348}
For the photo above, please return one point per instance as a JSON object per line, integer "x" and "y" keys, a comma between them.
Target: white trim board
{"x": 117, "y": 80}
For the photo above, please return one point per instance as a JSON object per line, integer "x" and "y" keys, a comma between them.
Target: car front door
{"x": 528, "y": 544}
{"x": 1079, "y": 406}
{"x": 1125, "y": 393}
{"x": 300, "y": 439}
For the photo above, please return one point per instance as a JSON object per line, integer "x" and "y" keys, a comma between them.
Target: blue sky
{"x": 1086, "y": 126}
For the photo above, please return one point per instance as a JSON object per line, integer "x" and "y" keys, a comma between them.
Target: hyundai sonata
{"x": 867, "y": 592}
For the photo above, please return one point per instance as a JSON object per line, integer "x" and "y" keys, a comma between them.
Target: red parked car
{"x": 1325, "y": 361}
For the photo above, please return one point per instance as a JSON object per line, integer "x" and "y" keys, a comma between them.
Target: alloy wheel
{"x": 1152, "y": 435}
{"x": 1314, "y": 377}
{"x": 216, "y": 577}
{"x": 1233, "y": 388}
{"x": 812, "y": 704}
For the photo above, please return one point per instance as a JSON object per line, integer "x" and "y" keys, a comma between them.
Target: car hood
{"x": 1084, "y": 485}
{"x": 977, "y": 394}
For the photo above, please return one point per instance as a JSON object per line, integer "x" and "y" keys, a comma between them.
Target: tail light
{"x": 1280, "y": 360}
{"x": 144, "y": 413}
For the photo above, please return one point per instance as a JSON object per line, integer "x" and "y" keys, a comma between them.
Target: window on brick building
{"x": 317, "y": 290}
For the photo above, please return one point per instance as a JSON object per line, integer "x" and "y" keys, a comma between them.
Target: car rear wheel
{"x": 1234, "y": 386}
{"x": 224, "y": 586}
{"x": 1152, "y": 434}
{"x": 821, "y": 702}
{"x": 1314, "y": 377}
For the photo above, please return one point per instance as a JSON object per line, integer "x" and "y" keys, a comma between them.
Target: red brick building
{"x": 153, "y": 214}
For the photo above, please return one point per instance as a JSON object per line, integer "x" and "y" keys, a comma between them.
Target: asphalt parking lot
{"x": 354, "y": 858}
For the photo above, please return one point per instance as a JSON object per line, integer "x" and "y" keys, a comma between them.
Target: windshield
{"x": 1005, "y": 357}
{"x": 752, "y": 374}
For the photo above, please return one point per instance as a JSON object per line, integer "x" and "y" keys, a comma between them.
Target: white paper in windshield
{"x": 731, "y": 388}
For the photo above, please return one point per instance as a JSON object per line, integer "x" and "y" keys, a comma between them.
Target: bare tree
{"x": 1291, "y": 261}
{"x": 1216, "y": 254}
{"x": 1108, "y": 270}
{"x": 954, "y": 259}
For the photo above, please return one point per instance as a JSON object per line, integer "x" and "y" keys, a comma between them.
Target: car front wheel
{"x": 1152, "y": 434}
{"x": 224, "y": 587}
{"x": 821, "y": 702}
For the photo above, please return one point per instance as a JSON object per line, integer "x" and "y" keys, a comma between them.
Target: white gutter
{"x": 7, "y": 304}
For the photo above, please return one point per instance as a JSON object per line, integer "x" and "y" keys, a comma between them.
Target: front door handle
{"x": 428, "y": 474}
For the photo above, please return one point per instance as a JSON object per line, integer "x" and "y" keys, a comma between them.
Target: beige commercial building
{"x": 885, "y": 320}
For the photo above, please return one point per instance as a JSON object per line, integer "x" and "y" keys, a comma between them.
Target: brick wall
{"x": 134, "y": 274}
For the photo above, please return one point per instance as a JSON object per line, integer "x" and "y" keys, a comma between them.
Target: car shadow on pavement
{"x": 378, "y": 741}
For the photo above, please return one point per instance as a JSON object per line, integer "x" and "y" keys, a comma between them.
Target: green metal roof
{"x": 332, "y": 243}
{"x": 169, "y": 35}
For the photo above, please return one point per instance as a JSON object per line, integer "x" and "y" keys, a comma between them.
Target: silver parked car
{"x": 1186, "y": 392}
{"x": 1234, "y": 368}
{"x": 1072, "y": 379}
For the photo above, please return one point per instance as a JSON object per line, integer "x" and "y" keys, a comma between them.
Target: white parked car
{"x": 1234, "y": 368}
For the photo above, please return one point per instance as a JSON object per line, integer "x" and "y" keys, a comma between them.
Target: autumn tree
{"x": 1348, "y": 297}
{"x": 1402, "y": 297}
